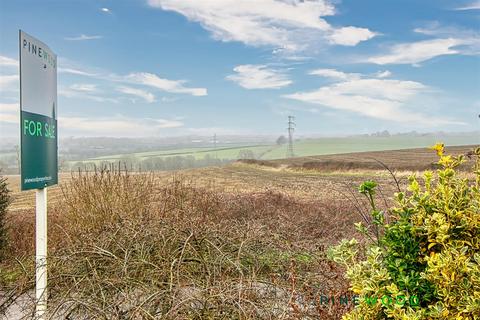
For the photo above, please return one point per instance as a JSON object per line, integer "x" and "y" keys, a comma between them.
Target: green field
{"x": 312, "y": 147}
{"x": 198, "y": 153}
{"x": 304, "y": 147}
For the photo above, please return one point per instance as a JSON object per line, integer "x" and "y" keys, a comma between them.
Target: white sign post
{"x": 41, "y": 253}
{"x": 39, "y": 148}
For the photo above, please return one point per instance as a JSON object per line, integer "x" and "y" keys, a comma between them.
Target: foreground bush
{"x": 123, "y": 246}
{"x": 4, "y": 202}
{"x": 426, "y": 263}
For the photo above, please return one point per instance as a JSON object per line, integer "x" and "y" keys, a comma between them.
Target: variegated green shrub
{"x": 428, "y": 259}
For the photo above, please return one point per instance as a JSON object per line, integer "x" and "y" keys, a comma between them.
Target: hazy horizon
{"x": 262, "y": 135}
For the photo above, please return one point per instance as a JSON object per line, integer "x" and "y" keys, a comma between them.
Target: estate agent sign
{"x": 38, "y": 113}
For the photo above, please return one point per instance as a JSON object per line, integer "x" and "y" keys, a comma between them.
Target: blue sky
{"x": 180, "y": 67}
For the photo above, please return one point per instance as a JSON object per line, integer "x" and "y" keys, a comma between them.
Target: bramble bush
{"x": 428, "y": 258}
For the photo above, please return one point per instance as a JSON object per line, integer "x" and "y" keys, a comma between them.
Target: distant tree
{"x": 17, "y": 154}
{"x": 207, "y": 160}
{"x": 190, "y": 161}
{"x": 382, "y": 134}
{"x": 90, "y": 166}
{"x": 158, "y": 164}
{"x": 281, "y": 140}
{"x": 147, "y": 164}
{"x": 62, "y": 164}
{"x": 3, "y": 165}
{"x": 176, "y": 163}
{"x": 179, "y": 162}
{"x": 105, "y": 165}
{"x": 79, "y": 165}
{"x": 246, "y": 154}
{"x": 128, "y": 162}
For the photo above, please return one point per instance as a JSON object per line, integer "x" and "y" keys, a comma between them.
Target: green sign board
{"x": 38, "y": 114}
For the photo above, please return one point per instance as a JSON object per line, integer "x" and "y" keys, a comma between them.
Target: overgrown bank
{"x": 124, "y": 247}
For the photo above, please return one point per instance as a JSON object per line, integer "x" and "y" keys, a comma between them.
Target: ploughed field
{"x": 417, "y": 159}
{"x": 243, "y": 241}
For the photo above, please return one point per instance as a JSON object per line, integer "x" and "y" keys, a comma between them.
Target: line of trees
{"x": 134, "y": 163}
{"x": 151, "y": 164}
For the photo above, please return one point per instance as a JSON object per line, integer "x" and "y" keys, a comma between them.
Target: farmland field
{"x": 290, "y": 176}
{"x": 221, "y": 152}
{"x": 302, "y": 147}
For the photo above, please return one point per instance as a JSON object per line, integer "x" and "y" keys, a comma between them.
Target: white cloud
{"x": 448, "y": 40}
{"x": 116, "y": 126}
{"x": 259, "y": 77}
{"x": 350, "y": 36}
{"x": 152, "y": 80}
{"x": 475, "y": 5}
{"x": 168, "y": 99}
{"x": 76, "y": 72}
{"x": 145, "y": 95}
{"x": 84, "y": 87}
{"x": 394, "y": 90}
{"x": 416, "y": 52}
{"x": 334, "y": 74}
{"x": 291, "y": 25}
{"x": 383, "y": 74}
{"x": 9, "y": 82}
{"x": 9, "y": 107}
{"x": 106, "y": 10}
{"x": 434, "y": 28}
{"x": 9, "y": 118}
{"x": 8, "y": 62}
{"x": 376, "y": 98}
{"x": 83, "y": 37}
{"x": 210, "y": 131}
{"x": 468, "y": 39}
{"x": 136, "y": 78}
{"x": 9, "y": 112}
{"x": 84, "y": 91}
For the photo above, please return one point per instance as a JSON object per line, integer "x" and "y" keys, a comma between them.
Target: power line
{"x": 291, "y": 128}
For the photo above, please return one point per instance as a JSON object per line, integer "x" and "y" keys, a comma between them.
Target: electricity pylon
{"x": 291, "y": 128}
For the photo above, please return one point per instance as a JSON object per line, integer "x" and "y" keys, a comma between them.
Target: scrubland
{"x": 245, "y": 241}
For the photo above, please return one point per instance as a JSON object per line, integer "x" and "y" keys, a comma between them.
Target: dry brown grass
{"x": 246, "y": 241}
{"x": 132, "y": 246}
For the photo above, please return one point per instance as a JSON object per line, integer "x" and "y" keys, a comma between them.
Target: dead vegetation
{"x": 124, "y": 246}
{"x": 246, "y": 241}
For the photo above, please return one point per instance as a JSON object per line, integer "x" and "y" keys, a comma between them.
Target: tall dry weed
{"x": 125, "y": 247}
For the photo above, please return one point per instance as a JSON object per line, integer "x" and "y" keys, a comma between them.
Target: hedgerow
{"x": 427, "y": 260}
